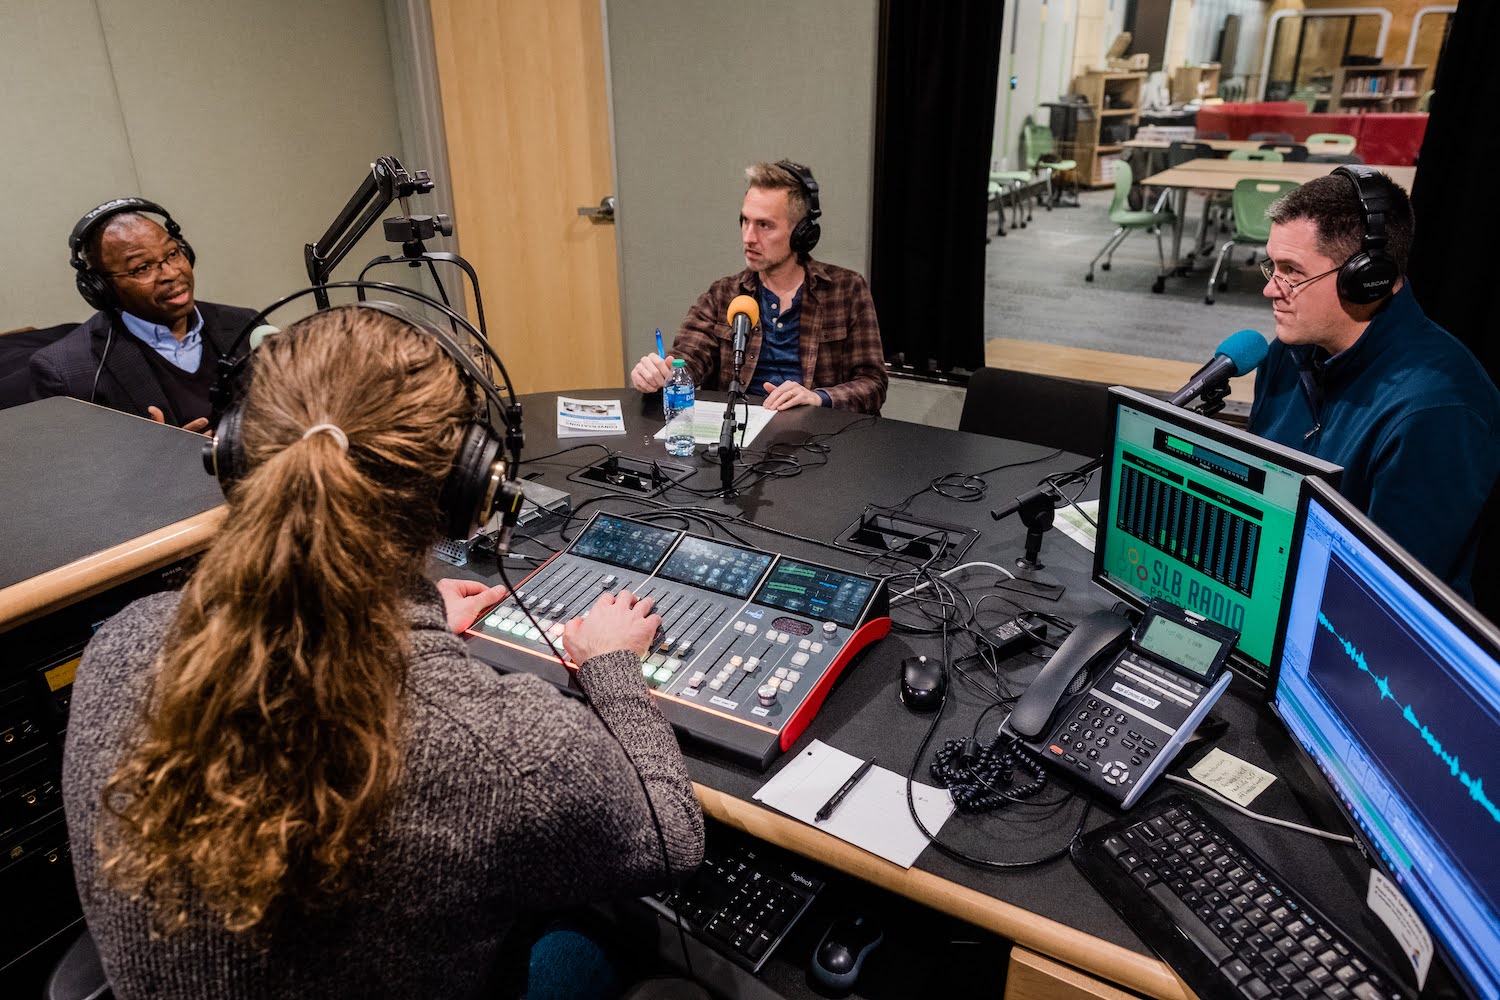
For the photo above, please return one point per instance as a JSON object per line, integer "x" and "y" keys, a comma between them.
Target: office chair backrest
{"x": 1293, "y": 151}
{"x": 1053, "y": 412}
{"x": 1341, "y": 138}
{"x": 1252, "y": 197}
{"x": 1181, "y": 151}
{"x": 1037, "y": 140}
{"x": 1268, "y": 155}
{"x": 1272, "y": 137}
{"x": 1124, "y": 178}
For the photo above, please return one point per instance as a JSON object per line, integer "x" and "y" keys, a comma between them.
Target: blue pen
{"x": 660, "y": 352}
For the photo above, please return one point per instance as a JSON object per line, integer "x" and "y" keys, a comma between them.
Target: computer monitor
{"x": 1390, "y": 683}
{"x": 1200, "y": 514}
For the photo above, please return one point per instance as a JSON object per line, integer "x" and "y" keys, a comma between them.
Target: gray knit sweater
{"x": 515, "y": 798}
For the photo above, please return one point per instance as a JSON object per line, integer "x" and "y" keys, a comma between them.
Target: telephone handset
{"x": 1113, "y": 705}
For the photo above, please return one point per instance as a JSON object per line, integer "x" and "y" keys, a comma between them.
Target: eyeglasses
{"x": 147, "y": 271}
{"x": 1268, "y": 268}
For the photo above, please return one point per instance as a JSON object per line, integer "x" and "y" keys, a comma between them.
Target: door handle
{"x": 603, "y": 214}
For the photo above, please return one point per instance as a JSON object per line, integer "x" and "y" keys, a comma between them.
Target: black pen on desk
{"x": 844, "y": 789}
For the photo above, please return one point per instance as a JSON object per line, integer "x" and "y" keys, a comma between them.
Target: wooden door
{"x": 526, "y": 112}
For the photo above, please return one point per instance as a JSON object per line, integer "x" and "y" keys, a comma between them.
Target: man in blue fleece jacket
{"x": 1358, "y": 374}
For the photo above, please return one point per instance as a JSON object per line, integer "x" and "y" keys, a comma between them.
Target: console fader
{"x": 750, "y": 642}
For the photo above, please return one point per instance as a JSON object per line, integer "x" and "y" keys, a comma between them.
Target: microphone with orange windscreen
{"x": 744, "y": 313}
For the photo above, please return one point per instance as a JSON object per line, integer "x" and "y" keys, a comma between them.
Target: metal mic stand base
{"x": 1036, "y": 513}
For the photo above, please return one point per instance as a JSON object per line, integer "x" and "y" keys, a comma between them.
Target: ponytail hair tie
{"x": 333, "y": 429}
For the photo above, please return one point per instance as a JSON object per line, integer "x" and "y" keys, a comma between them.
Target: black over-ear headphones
{"x": 481, "y": 482}
{"x": 93, "y": 286}
{"x": 807, "y": 232}
{"x": 1371, "y": 273}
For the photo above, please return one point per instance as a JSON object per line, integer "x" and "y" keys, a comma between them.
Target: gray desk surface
{"x": 882, "y": 461}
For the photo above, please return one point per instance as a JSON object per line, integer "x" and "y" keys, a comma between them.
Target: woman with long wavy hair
{"x": 290, "y": 780}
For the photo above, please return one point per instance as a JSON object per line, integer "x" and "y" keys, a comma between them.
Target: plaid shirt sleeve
{"x": 841, "y": 340}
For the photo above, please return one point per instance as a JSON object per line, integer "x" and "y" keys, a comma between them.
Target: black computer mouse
{"x": 922, "y": 683}
{"x": 840, "y": 955}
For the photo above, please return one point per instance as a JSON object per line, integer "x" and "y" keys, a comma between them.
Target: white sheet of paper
{"x": 1392, "y": 908}
{"x": 1231, "y": 777}
{"x": 708, "y": 418}
{"x": 1072, "y": 524}
{"x": 873, "y": 816}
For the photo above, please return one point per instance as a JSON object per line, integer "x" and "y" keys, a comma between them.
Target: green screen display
{"x": 1199, "y": 522}
{"x": 1181, "y": 645}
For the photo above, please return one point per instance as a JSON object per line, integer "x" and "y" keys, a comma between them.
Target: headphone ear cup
{"x": 1367, "y": 278}
{"x": 223, "y": 454}
{"x": 469, "y": 492}
{"x": 95, "y": 289}
{"x": 806, "y": 235}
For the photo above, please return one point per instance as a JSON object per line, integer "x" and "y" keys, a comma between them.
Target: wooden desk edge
{"x": 30, "y": 599}
{"x": 1083, "y": 951}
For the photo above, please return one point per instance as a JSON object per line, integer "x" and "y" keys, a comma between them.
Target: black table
{"x": 1048, "y": 910}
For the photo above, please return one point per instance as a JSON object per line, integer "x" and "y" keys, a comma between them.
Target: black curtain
{"x": 1455, "y": 186}
{"x": 935, "y": 119}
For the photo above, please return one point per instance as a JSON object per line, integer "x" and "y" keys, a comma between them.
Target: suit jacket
{"x": 127, "y": 383}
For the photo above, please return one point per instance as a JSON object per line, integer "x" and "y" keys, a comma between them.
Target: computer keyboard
{"x": 744, "y": 898}
{"x": 1219, "y": 915}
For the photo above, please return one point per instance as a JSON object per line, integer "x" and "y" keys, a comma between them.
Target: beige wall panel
{"x": 252, "y": 122}
{"x": 702, "y": 90}
{"x": 526, "y": 116}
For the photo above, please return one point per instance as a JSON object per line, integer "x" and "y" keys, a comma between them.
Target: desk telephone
{"x": 1113, "y": 705}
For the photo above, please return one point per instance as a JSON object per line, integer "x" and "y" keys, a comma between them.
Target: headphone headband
{"x": 111, "y": 208}
{"x": 481, "y": 482}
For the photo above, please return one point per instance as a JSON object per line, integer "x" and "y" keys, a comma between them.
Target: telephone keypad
{"x": 1098, "y": 728}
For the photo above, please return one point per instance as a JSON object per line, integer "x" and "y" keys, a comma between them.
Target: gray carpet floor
{"x": 1034, "y": 287}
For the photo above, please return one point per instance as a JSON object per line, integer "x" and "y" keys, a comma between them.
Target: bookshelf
{"x": 1359, "y": 89}
{"x": 1115, "y": 100}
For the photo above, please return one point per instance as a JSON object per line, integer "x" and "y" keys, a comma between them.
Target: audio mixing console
{"x": 750, "y": 642}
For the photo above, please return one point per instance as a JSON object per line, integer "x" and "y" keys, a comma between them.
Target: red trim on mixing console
{"x": 870, "y": 631}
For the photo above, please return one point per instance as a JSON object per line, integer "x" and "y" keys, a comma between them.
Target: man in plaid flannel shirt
{"x": 817, "y": 342}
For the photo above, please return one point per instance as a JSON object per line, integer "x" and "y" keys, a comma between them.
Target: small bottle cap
{"x": 679, "y": 363}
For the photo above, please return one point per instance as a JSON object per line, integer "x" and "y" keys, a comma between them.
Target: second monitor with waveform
{"x": 1200, "y": 514}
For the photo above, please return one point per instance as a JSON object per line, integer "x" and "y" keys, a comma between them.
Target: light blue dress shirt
{"x": 186, "y": 353}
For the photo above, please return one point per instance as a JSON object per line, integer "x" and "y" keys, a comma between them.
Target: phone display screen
{"x": 1186, "y": 647}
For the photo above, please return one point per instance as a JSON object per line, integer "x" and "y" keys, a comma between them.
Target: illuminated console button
{"x": 647, "y": 669}
{"x": 533, "y": 634}
{"x": 829, "y": 628}
{"x": 773, "y": 683}
{"x": 781, "y": 637}
{"x": 497, "y": 621}
{"x": 805, "y": 644}
{"x": 794, "y": 676}
{"x": 772, "y": 634}
{"x": 751, "y": 628}
{"x": 656, "y": 660}
{"x": 663, "y": 675}
{"x": 751, "y": 664}
{"x": 817, "y": 647}
{"x": 799, "y": 659}
{"x": 767, "y": 695}
{"x": 736, "y": 660}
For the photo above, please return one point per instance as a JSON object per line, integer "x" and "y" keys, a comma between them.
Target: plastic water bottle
{"x": 677, "y": 406}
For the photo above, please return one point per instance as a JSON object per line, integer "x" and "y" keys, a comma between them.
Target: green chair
{"x": 1252, "y": 197}
{"x": 1268, "y": 155}
{"x": 1129, "y": 220}
{"x": 1009, "y": 183}
{"x": 1040, "y": 154}
{"x": 1335, "y": 137}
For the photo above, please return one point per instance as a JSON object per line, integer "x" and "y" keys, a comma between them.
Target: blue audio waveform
{"x": 1475, "y": 786}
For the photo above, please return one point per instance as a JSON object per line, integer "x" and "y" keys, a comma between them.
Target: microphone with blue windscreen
{"x": 1239, "y": 354}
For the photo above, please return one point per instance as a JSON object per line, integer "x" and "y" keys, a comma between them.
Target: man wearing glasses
{"x": 151, "y": 349}
{"x": 1358, "y": 375}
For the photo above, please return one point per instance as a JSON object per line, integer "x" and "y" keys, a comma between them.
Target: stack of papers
{"x": 588, "y": 417}
{"x": 708, "y": 419}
